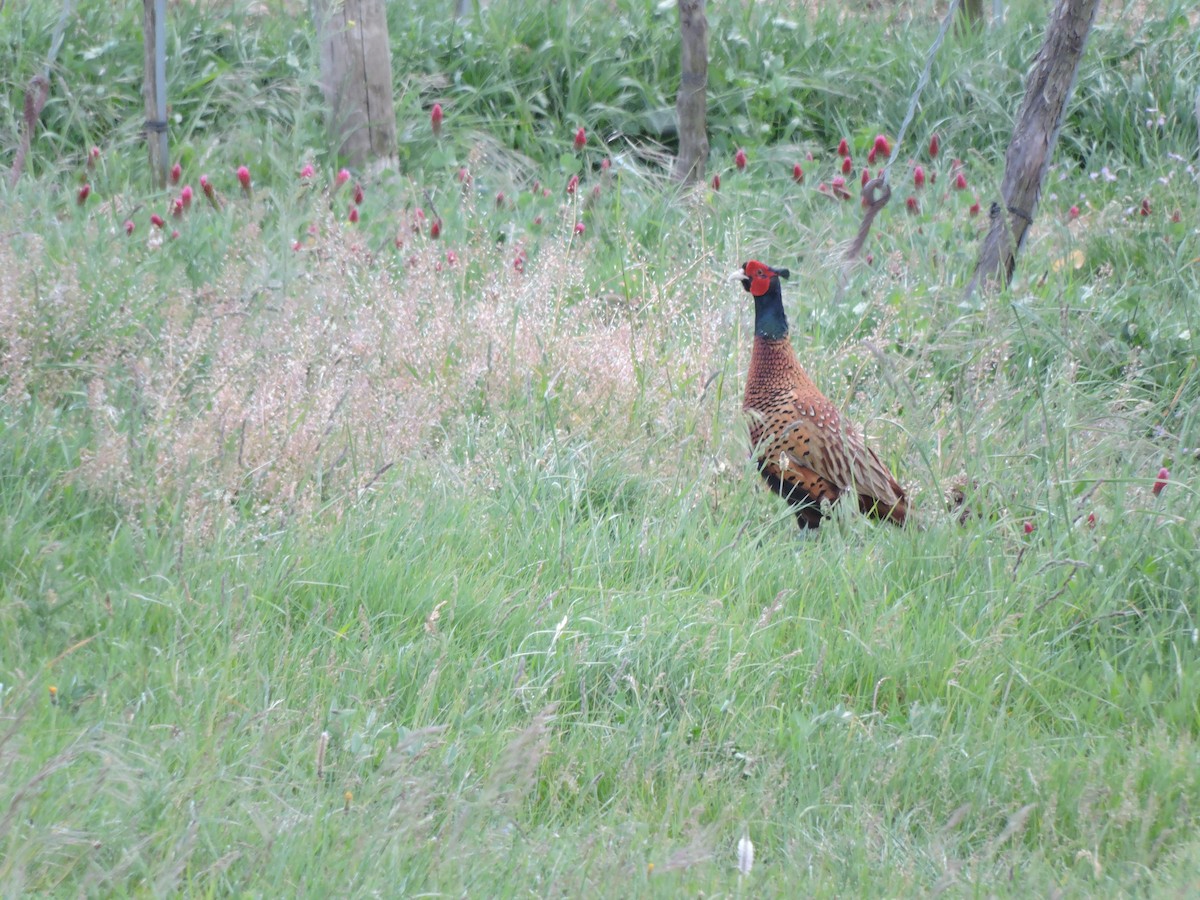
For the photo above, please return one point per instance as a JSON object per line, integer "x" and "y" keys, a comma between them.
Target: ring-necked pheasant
{"x": 807, "y": 452}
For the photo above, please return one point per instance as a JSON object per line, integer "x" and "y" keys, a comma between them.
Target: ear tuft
{"x": 783, "y": 273}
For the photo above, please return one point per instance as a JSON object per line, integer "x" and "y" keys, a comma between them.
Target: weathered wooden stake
{"x": 1047, "y": 89}
{"x": 691, "y": 105}
{"x": 356, "y": 77}
{"x": 154, "y": 86}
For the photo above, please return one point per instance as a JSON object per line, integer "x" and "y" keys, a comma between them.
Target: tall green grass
{"x": 398, "y": 565}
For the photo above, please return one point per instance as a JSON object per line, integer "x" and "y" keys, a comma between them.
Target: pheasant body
{"x": 807, "y": 453}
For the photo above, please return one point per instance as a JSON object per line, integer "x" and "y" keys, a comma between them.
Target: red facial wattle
{"x": 757, "y": 277}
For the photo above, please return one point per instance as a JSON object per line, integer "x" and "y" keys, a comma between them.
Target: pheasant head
{"x": 756, "y": 277}
{"x": 762, "y": 282}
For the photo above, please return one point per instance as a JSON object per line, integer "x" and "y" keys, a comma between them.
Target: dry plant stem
{"x": 873, "y": 204}
{"x": 35, "y": 99}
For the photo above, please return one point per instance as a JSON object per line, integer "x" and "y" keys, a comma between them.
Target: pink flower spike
{"x": 935, "y": 144}
{"x": 84, "y": 193}
{"x": 435, "y": 229}
{"x": 464, "y": 177}
{"x": 210, "y": 192}
{"x": 308, "y": 171}
{"x": 1164, "y": 475}
{"x": 176, "y": 173}
{"x": 129, "y": 226}
{"x": 739, "y": 159}
{"x": 882, "y": 145}
{"x": 341, "y": 178}
{"x": 912, "y": 206}
{"x": 185, "y": 196}
{"x": 580, "y": 138}
{"x": 353, "y": 215}
{"x": 175, "y": 234}
{"x": 716, "y": 182}
{"x": 1073, "y": 213}
{"x": 1091, "y": 520}
{"x": 177, "y": 208}
{"x": 435, "y": 119}
{"x": 847, "y": 166}
{"x": 843, "y": 148}
{"x": 451, "y": 257}
{"x": 243, "y": 177}
{"x": 919, "y": 176}
{"x": 579, "y": 228}
{"x": 974, "y": 210}
{"x": 871, "y": 157}
{"x": 94, "y": 155}
{"x": 797, "y": 173}
{"x": 605, "y": 164}
{"x": 808, "y": 157}
{"x": 296, "y": 245}
{"x": 866, "y": 176}
{"x": 1029, "y": 526}
{"x": 157, "y": 221}
{"x": 1145, "y": 210}
{"x": 358, "y": 195}
{"x": 572, "y": 183}
{"x": 960, "y": 181}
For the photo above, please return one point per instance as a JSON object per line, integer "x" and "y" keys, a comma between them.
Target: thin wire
{"x": 921, "y": 82}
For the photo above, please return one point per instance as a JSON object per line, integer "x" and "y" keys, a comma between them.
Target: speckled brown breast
{"x": 806, "y": 452}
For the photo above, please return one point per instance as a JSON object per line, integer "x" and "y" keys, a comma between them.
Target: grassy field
{"x": 340, "y": 558}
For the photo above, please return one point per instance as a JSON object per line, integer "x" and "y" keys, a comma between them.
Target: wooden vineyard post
{"x": 154, "y": 87}
{"x": 356, "y": 77}
{"x": 1047, "y": 89}
{"x": 691, "y": 106}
